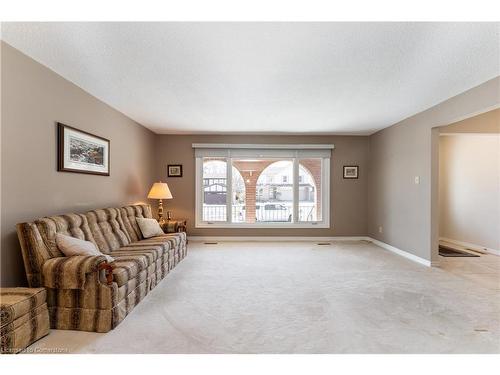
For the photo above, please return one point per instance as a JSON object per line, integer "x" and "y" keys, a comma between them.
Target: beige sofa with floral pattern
{"x": 85, "y": 292}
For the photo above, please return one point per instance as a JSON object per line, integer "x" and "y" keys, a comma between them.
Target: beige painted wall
{"x": 488, "y": 122}
{"x": 33, "y": 99}
{"x": 469, "y": 189}
{"x": 408, "y": 212}
{"x": 348, "y": 197}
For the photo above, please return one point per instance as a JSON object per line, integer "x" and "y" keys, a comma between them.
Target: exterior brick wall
{"x": 250, "y": 171}
{"x": 314, "y": 168}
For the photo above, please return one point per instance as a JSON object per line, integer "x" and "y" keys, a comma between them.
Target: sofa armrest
{"x": 70, "y": 272}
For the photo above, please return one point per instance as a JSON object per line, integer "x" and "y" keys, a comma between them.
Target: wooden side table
{"x": 174, "y": 226}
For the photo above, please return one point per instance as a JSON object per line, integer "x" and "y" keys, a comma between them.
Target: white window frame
{"x": 281, "y": 151}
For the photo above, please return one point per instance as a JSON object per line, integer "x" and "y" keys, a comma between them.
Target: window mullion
{"x": 325, "y": 186}
{"x": 295, "y": 216}
{"x": 199, "y": 190}
{"x": 229, "y": 189}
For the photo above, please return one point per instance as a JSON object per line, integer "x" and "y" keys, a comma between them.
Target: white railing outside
{"x": 264, "y": 212}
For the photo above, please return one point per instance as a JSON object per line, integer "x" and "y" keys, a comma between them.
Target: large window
{"x": 262, "y": 186}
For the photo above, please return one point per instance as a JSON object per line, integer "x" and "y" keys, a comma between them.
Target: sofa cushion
{"x": 129, "y": 215}
{"x": 149, "y": 227}
{"x": 128, "y": 266}
{"x": 151, "y": 252}
{"x": 174, "y": 239}
{"x": 156, "y": 241}
{"x": 71, "y": 246}
{"x": 74, "y": 225}
{"x": 106, "y": 227}
{"x": 148, "y": 251}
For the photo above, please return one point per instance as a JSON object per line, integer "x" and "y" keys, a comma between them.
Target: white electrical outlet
{"x": 380, "y": 229}
{"x": 417, "y": 180}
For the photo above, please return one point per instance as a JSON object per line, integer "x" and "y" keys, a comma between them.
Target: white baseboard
{"x": 471, "y": 246}
{"x": 405, "y": 254}
{"x": 274, "y": 238}
{"x": 381, "y": 244}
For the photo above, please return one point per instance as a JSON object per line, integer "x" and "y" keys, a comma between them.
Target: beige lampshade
{"x": 160, "y": 190}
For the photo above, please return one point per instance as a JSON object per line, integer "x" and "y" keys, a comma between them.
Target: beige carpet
{"x": 291, "y": 297}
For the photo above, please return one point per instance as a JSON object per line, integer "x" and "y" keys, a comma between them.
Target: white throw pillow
{"x": 71, "y": 246}
{"x": 149, "y": 227}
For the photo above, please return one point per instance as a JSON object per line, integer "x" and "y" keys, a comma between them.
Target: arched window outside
{"x": 274, "y": 193}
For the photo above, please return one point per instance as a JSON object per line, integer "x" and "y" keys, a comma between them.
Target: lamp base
{"x": 161, "y": 220}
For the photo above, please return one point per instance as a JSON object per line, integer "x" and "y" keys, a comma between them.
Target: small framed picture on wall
{"x": 351, "y": 171}
{"x": 174, "y": 170}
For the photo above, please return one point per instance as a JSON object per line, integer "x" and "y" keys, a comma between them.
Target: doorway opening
{"x": 469, "y": 198}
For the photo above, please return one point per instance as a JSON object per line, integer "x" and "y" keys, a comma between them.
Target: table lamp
{"x": 160, "y": 191}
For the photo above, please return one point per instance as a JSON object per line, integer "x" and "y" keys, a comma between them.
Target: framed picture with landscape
{"x": 81, "y": 152}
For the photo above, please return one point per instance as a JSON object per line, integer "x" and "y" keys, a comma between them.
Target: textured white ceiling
{"x": 322, "y": 78}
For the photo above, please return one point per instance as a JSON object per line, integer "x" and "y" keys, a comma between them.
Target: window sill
{"x": 318, "y": 225}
